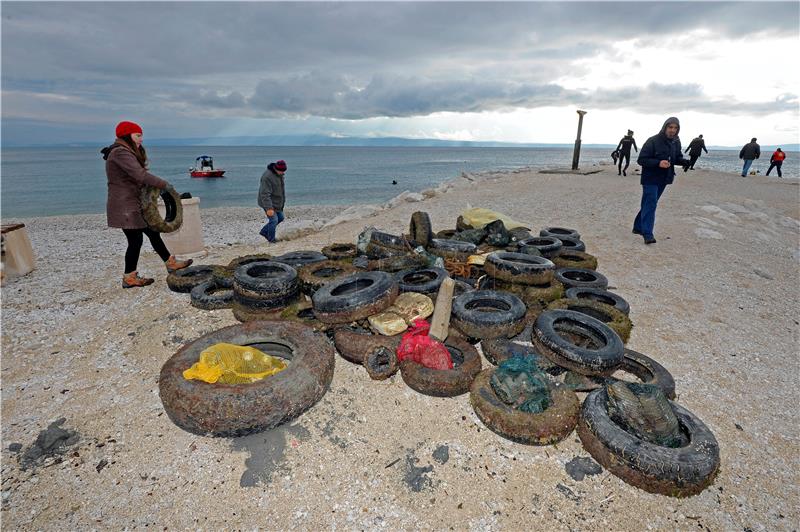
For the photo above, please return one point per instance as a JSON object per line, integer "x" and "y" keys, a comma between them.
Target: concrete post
{"x": 17, "y": 252}
{"x": 577, "y": 153}
{"x": 187, "y": 241}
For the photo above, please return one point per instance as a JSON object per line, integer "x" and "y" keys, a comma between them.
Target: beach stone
{"x": 353, "y": 213}
{"x": 702, "y": 232}
{"x": 405, "y": 197}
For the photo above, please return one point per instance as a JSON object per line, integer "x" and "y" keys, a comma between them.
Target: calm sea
{"x": 53, "y": 181}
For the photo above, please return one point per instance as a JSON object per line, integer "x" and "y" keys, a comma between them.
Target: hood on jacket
{"x": 671, "y": 120}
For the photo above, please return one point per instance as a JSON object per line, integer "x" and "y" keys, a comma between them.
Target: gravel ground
{"x": 715, "y": 301}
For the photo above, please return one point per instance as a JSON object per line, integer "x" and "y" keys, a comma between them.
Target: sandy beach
{"x": 715, "y": 301}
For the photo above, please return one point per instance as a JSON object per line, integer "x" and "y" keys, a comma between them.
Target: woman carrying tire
{"x": 126, "y": 170}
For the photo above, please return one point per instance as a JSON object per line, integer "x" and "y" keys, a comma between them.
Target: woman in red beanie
{"x": 126, "y": 170}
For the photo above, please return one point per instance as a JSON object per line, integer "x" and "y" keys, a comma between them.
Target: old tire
{"x": 676, "y": 472}
{"x": 313, "y": 276}
{"x": 519, "y": 268}
{"x": 575, "y": 259}
{"x": 589, "y": 348}
{"x": 422, "y": 280}
{"x": 211, "y": 296}
{"x": 247, "y": 259}
{"x": 600, "y": 295}
{"x": 173, "y": 217}
{"x": 558, "y": 232}
{"x": 354, "y": 297}
{"x": 532, "y": 295}
{"x": 393, "y": 242}
{"x": 498, "y": 350}
{"x": 643, "y": 367}
{"x": 341, "y": 251}
{"x": 223, "y": 277}
{"x": 445, "y": 234}
{"x": 381, "y": 363}
{"x": 186, "y": 279}
{"x": 396, "y": 263}
{"x": 240, "y": 409}
{"x": 546, "y": 246}
{"x": 618, "y": 321}
{"x": 265, "y": 280}
{"x": 353, "y": 343}
{"x": 488, "y": 314}
{"x": 569, "y": 243}
{"x": 420, "y": 228}
{"x": 580, "y": 277}
{"x": 451, "y": 249}
{"x": 545, "y": 428}
{"x": 444, "y": 382}
{"x": 297, "y": 259}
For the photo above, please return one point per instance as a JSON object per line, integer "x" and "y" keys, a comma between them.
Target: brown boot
{"x": 129, "y": 280}
{"x": 174, "y": 264}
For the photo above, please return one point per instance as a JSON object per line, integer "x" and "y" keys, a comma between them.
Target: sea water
{"x": 55, "y": 181}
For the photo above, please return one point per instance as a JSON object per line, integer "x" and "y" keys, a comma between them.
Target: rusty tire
{"x": 591, "y": 347}
{"x": 618, "y": 321}
{"x": 239, "y": 409}
{"x": 353, "y": 343}
{"x": 519, "y": 268}
{"x": 544, "y": 428}
{"x": 381, "y": 363}
{"x": 580, "y": 277}
{"x": 488, "y": 314}
{"x": 575, "y": 259}
{"x": 313, "y": 276}
{"x": 601, "y": 295}
{"x": 676, "y": 472}
{"x": 340, "y": 251}
{"x": 444, "y": 382}
{"x": 354, "y": 297}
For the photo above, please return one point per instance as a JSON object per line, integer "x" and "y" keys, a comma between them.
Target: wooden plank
{"x": 440, "y": 321}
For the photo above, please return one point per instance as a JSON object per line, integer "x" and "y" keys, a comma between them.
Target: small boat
{"x": 204, "y": 167}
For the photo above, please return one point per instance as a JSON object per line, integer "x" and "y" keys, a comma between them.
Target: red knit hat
{"x": 127, "y": 128}
{"x": 280, "y": 165}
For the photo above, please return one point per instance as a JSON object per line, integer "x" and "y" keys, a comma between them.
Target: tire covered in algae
{"x": 239, "y": 409}
{"x": 575, "y": 259}
{"x": 173, "y": 215}
{"x": 186, "y": 279}
{"x": 340, "y": 251}
{"x": 619, "y": 322}
{"x": 544, "y": 428}
{"x": 642, "y": 367}
{"x": 444, "y": 382}
{"x": 676, "y": 472}
{"x": 353, "y": 344}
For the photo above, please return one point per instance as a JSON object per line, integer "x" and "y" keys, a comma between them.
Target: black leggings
{"x": 777, "y": 165}
{"x": 134, "y": 237}
{"x": 627, "y": 157}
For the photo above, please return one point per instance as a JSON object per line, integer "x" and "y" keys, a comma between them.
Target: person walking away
{"x": 272, "y": 197}
{"x": 659, "y": 155}
{"x": 749, "y": 152}
{"x": 126, "y": 171}
{"x": 695, "y": 148}
{"x": 776, "y": 161}
{"x": 624, "y": 152}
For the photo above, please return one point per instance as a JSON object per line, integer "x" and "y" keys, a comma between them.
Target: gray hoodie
{"x": 271, "y": 193}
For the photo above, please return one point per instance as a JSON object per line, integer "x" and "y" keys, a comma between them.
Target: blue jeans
{"x": 646, "y": 218}
{"x": 268, "y": 231}
{"x": 746, "y": 167}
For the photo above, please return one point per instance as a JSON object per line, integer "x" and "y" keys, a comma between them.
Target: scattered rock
{"x": 763, "y": 274}
{"x": 442, "y": 454}
{"x": 415, "y": 477}
{"x": 51, "y": 441}
{"x": 580, "y": 467}
{"x": 15, "y": 447}
{"x": 101, "y": 464}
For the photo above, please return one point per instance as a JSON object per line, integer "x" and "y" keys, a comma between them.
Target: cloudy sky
{"x": 468, "y": 71}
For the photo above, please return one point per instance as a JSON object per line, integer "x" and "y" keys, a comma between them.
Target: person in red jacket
{"x": 126, "y": 170}
{"x": 776, "y": 161}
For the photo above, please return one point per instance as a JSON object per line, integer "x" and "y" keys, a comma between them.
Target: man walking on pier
{"x": 695, "y": 148}
{"x": 749, "y": 152}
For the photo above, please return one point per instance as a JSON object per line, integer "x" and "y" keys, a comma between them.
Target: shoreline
{"x": 715, "y": 301}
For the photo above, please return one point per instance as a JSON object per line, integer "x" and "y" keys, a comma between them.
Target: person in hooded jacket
{"x": 658, "y": 158}
{"x": 749, "y": 153}
{"x": 695, "y": 149}
{"x": 272, "y": 198}
{"x": 624, "y": 152}
{"x": 776, "y": 161}
{"x": 126, "y": 171}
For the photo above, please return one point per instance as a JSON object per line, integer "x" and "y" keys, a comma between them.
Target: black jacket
{"x": 625, "y": 144}
{"x": 696, "y": 146}
{"x": 750, "y": 151}
{"x": 659, "y": 148}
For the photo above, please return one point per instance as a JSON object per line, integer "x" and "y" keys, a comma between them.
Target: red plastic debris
{"x": 416, "y": 345}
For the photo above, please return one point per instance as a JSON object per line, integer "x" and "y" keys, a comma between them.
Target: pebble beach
{"x": 715, "y": 301}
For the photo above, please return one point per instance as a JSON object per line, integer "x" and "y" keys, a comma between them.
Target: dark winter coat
{"x": 750, "y": 151}
{"x": 271, "y": 193}
{"x": 625, "y": 144}
{"x": 697, "y": 146}
{"x": 126, "y": 178}
{"x": 659, "y": 148}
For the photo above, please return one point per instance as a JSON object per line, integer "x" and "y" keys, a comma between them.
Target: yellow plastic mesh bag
{"x": 233, "y": 364}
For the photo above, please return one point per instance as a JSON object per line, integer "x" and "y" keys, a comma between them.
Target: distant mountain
{"x": 323, "y": 140}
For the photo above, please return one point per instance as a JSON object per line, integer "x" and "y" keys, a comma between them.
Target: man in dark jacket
{"x": 749, "y": 152}
{"x": 624, "y": 152}
{"x": 658, "y": 158}
{"x": 695, "y": 148}
{"x": 272, "y": 197}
